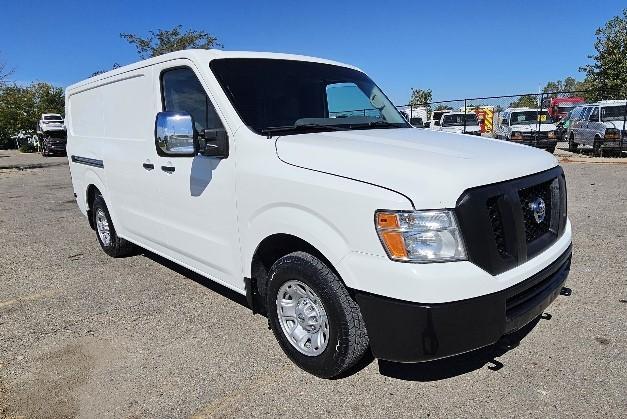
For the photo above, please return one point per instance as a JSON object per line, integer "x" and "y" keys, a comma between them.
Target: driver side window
{"x": 181, "y": 91}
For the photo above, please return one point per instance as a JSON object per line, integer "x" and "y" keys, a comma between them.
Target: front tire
{"x": 596, "y": 147}
{"x": 315, "y": 320}
{"x": 109, "y": 241}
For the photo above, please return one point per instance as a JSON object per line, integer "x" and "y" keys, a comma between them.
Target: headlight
{"x": 516, "y": 135}
{"x": 420, "y": 236}
{"x": 552, "y": 135}
{"x": 612, "y": 134}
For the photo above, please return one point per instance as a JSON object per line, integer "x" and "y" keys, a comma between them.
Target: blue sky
{"x": 457, "y": 49}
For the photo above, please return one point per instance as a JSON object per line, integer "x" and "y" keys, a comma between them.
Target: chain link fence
{"x": 536, "y": 119}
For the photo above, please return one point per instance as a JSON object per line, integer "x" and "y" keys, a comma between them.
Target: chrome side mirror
{"x": 174, "y": 134}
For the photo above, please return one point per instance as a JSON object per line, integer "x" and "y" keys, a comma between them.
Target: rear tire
{"x": 112, "y": 245}
{"x": 572, "y": 145}
{"x": 303, "y": 288}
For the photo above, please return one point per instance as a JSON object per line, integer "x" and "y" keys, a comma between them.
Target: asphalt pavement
{"x": 85, "y": 335}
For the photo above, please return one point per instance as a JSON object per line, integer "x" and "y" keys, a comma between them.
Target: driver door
{"x": 198, "y": 192}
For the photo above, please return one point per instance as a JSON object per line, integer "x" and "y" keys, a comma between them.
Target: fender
{"x": 93, "y": 177}
{"x": 297, "y": 221}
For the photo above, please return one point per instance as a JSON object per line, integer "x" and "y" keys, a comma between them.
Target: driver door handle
{"x": 168, "y": 169}
{"x": 148, "y": 166}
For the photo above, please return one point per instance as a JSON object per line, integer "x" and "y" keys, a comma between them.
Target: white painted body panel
{"x": 210, "y": 215}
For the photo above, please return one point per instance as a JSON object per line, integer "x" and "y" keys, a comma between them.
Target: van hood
{"x": 533, "y": 127}
{"x": 430, "y": 168}
{"x": 614, "y": 124}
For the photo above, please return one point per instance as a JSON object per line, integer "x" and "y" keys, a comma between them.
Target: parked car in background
{"x": 436, "y": 116}
{"x": 50, "y": 122}
{"x": 415, "y": 115}
{"x": 459, "y": 123}
{"x": 600, "y": 125}
{"x": 353, "y": 234}
{"x": 529, "y": 126}
{"x": 53, "y": 143}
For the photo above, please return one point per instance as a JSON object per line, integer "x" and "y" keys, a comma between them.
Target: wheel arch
{"x": 93, "y": 186}
{"x": 270, "y": 249}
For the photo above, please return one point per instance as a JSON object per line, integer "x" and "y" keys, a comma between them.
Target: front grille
{"x": 528, "y": 196}
{"x": 499, "y": 225}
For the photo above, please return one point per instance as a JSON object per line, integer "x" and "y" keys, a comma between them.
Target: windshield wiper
{"x": 287, "y": 128}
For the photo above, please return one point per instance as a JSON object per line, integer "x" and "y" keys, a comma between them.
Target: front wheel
{"x": 596, "y": 147}
{"x": 315, "y": 320}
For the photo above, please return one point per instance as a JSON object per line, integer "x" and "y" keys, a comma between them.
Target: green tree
{"x": 163, "y": 41}
{"x": 562, "y": 87}
{"x": 5, "y": 73}
{"x": 607, "y": 75}
{"x": 525, "y": 101}
{"x": 420, "y": 97}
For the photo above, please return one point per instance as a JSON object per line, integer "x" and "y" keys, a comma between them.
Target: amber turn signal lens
{"x": 387, "y": 220}
{"x": 395, "y": 244}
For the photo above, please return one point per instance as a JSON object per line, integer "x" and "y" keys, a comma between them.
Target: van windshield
{"x": 529, "y": 117}
{"x": 457, "y": 120}
{"x": 272, "y": 95}
{"x": 613, "y": 113}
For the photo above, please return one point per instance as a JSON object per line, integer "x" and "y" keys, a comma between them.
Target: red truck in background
{"x": 559, "y": 107}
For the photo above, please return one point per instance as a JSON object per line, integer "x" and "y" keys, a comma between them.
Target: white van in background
{"x": 459, "y": 123}
{"x": 436, "y": 116}
{"x": 528, "y": 126}
{"x": 415, "y": 115}
{"x": 349, "y": 232}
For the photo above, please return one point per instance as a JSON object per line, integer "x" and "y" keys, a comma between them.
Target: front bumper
{"x": 615, "y": 145}
{"x": 413, "y": 332}
{"x": 544, "y": 144}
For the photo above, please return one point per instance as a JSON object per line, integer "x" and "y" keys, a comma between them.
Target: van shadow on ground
{"x": 460, "y": 364}
{"x": 425, "y": 371}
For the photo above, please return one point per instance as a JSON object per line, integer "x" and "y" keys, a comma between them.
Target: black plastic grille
{"x": 533, "y": 229}
{"x": 498, "y": 223}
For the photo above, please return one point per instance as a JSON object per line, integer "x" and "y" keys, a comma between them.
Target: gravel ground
{"x": 84, "y": 335}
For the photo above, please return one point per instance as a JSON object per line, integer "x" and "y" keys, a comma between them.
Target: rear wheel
{"x": 112, "y": 245}
{"x": 572, "y": 145}
{"x": 315, "y": 320}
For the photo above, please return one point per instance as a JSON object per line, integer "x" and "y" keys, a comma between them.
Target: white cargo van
{"x": 459, "y": 123}
{"x": 350, "y": 233}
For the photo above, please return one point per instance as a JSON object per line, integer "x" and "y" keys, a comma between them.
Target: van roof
{"x": 611, "y": 102}
{"x": 204, "y": 55}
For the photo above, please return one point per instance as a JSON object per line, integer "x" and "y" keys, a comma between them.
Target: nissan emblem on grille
{"x": 538, "y": 207}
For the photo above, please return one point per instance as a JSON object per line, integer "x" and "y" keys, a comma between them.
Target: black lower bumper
{"x": 413, "y": 332}
{"x": 544, "y": 144}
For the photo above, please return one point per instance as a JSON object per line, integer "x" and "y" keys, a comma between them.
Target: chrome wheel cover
{"x": 303, "y": 318}
{"x": 102, "y": 227}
